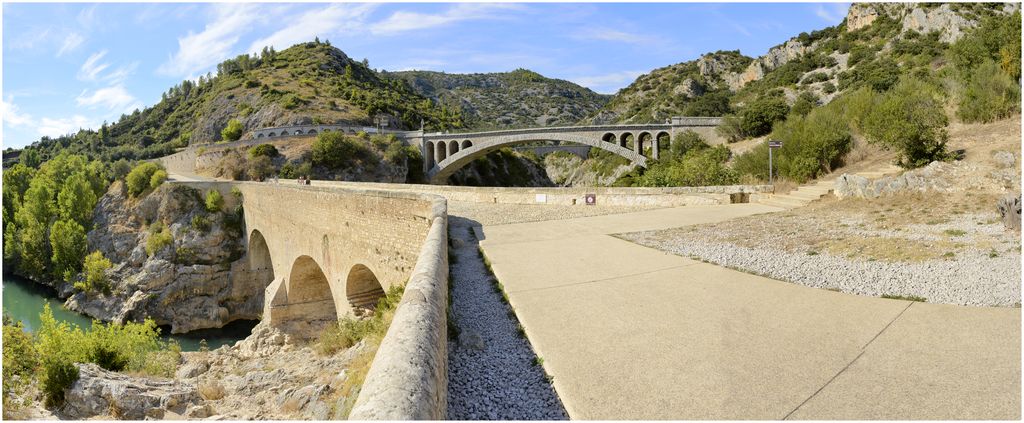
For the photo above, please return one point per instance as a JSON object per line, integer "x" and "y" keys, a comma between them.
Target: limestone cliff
{"x": 193, "y": 282}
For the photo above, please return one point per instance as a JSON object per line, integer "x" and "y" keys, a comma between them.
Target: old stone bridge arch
{"x": 449, "y": 161}
{"x": 319, "y": 254}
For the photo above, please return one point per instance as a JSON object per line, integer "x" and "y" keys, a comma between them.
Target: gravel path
{"x": 491, "y": 371}
{"x": 974, "y": 278}
{"x": 503, "y": 214}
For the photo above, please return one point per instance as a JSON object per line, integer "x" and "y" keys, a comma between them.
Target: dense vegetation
{"x": 46, "y": 358}
{"x": 508, "y": 99}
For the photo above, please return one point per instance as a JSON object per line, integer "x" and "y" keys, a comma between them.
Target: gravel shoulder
{"x": 492, "y": 371}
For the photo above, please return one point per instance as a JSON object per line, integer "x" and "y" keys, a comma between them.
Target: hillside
{"x": 306, "y": 83}
{"x": 508, "y": 99}
{"x": 875, "y": 41}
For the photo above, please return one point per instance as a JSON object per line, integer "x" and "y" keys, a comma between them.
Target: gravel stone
{"x": 490, "y": 368}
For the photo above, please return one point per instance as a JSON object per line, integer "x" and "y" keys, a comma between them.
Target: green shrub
{"x": 20, "y": 361}
{"x": 990, "y": 95}
{"x": 158, "y": 178}
{"x": 214, "y": 201}
{"x": 158, "y": 241}
{"x": 96, "y": 266}
{"x": 58, "y": 376}
{"x": 335, "y": 150}
{"x": 810, "y": 145}
{"x": 267, "y": 150}
{"x": 698, "y": 167}
{"x": 730, "y": 128}
{"x": 828, "y": 88}
{"x": 290, "y": 101}
{"x": 351, "y": 330}
{"x": 233, "y": 131}
{"x": 911, "y": 120}
{"x": 140, "y": 178}
{"x": 685, "y": 142}
{"x": 757, "y": 118}
{"x": 814, "y": 77}
{"x": 237, "y": 193}
{"x": 201, "y": 223}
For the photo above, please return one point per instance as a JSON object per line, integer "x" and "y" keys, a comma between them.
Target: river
{"x": 24, "y": 300}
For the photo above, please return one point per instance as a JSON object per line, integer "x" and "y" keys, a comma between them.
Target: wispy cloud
{"x": 198, "y": 52}
{"x": 114, "y": 98}
{"x": 604, "y": 34}
{"x": 603, "y": 83}
{"x": 833, "y": 13}
{"x": 71, "y": 42}
{"x": 90, "y": 70}
{"x": 403, "y": 21}
{"x": 51, "y": 127}
{"x": 316, "y": 23}
{"x": 13, "y": 116}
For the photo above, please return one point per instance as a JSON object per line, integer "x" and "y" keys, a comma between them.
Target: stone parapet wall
{"x": 608, "y": 196}
{"x": 409, "y": 376}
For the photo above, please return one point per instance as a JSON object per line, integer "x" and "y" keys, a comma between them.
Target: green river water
{"x": 24, "y": 300}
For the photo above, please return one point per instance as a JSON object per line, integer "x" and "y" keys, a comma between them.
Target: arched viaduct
{"x": 322, "y": 253}
{"x": 446, "y": 153}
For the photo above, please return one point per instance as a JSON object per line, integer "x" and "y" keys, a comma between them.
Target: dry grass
{"x": 211, "y": 390}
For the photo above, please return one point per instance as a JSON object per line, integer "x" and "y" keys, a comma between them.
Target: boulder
{"x": 99, "y": 392}
{"x": 1009, "y": 211}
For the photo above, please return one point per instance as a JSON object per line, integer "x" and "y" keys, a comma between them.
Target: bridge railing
{"x": 683, "y": 121}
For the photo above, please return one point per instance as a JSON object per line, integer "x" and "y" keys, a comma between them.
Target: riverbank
{"x": 24, "y": 299}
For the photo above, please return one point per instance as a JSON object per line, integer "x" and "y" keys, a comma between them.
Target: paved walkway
{"x": 630, "y": 332}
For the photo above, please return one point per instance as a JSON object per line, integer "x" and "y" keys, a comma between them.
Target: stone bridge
{"x": 311, "y": 130}
{"x": 446, "y": 153}
{"x": 322, "y": 253}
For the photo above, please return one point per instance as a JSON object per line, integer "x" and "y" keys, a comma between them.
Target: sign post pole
{"x": 772, "y": 144}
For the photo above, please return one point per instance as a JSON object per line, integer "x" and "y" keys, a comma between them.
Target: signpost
{"x": 772, "y": 144}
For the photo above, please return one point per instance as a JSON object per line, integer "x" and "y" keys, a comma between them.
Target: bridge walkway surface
{"x": 629, "y": 332}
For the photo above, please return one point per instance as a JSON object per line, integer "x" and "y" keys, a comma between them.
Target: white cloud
{"x": 92, "y": 67}
{"x": 403, "y": 21}
{"x": 833, "y": 13}
{"x": 607, "y": 83}
{"x": 71, "y": 42}
{"x": 14, "y": 117}
{"x": 197, "y": 52}
{"x": 63, "y": 126}
{"x": 114, "y": 97}
{"x": 314, "y": 23}
{"x": 613, "y": 35}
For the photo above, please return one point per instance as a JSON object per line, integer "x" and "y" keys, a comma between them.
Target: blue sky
{"x": 71, "y": 66}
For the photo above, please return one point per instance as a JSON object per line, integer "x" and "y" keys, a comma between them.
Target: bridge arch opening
{"x": 259, "y": 136}
{"x": 362, "y": 288}
{"x": 311, "y": 132}
{"x": 626, "y": 140}
{"x": 609, "y": 137}
{"x": 429, "y": 147}
{"x": 466, "y": 144}
{"x": 298, "y": 132}
{"x": 261, "y": 268}
{"x": 272, "y": 135}
{"x": 453, "y": 147}
{"x": 643, "y": 142}
{"x": 308, "y": 305}
{"x": 442, "y": 151}
{"x": 663, "y": 141}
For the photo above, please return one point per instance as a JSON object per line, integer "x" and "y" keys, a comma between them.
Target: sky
{"x": 76, "y": 65}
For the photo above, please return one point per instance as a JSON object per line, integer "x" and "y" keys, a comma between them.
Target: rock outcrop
{"x": 103, "y": 393}
{"x": 197, "y": 281}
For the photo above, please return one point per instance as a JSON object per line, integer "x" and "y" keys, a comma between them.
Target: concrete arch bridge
{"x": 446, "y": 153}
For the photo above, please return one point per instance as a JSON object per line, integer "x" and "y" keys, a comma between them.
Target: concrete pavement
{"x": 629, "y": 332}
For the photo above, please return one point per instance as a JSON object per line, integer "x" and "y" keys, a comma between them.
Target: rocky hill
{"x": 507, "y": 99}
{"x": 307, "y": 83}
{"x": 874, "y": 38}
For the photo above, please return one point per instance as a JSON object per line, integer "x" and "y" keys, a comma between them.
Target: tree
{"x": 69, "y": 246}
{"x": 990, "y": 94}
{"x": 260, "y": 167}
{"x": 757, "y": 118}
{"x": 685, "y": 142}
{"x": 158, "y": 178}
{"x": 233, "y": 131}
{"x": 30, "y": 157}
{"x": 910, "y": 119}
{"x": 76, "y": 200}
{"x": 139, "y": 179}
